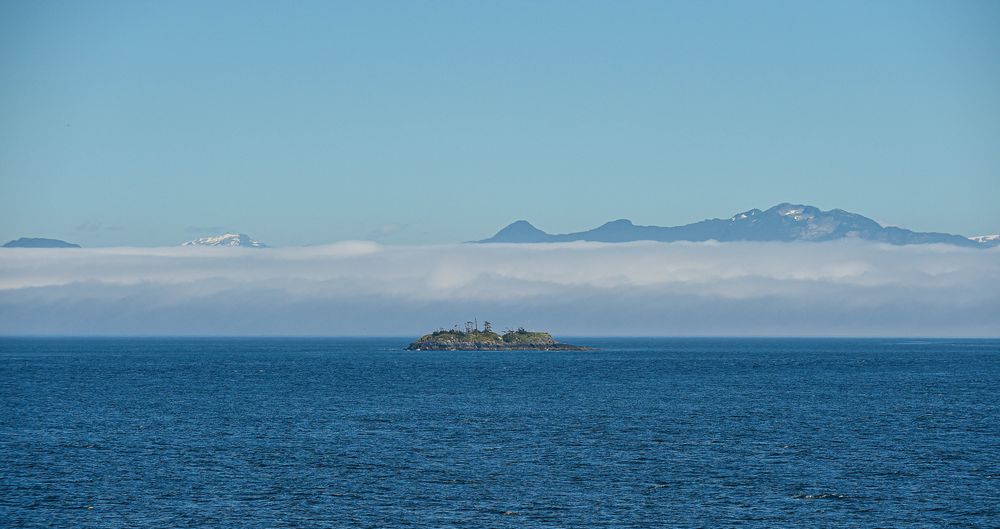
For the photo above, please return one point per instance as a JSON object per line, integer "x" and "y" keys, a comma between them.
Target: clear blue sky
{"x": 149, "y": 123}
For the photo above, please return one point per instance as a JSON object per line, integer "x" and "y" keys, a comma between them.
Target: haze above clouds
{"x": 844, "y": 288}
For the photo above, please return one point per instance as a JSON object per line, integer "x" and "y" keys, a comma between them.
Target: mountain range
{"x": 784, "y": 222}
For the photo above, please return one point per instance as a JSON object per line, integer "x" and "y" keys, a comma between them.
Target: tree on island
{"x": 471, "y": 329}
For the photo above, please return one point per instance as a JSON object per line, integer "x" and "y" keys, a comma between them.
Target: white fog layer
{"x": 845, "y": 288}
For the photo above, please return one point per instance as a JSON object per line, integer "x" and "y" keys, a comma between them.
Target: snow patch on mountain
{"x": 746, "y": 215}
{"x": 987, "y": 240}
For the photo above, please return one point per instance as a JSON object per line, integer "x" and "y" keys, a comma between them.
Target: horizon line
{"x": 601, "y": 336}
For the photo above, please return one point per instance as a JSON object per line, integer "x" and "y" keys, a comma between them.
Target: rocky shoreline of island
{"x": 473, "y": 346}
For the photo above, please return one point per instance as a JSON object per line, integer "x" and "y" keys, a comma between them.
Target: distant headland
{"x": 39, "y": 242}
{"x": 471, "y": 338}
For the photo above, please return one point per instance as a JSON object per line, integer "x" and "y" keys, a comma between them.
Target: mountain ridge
{"x": 785, "y": 222}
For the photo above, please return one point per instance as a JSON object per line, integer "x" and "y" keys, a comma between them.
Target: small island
{"x": 473, "y": 339}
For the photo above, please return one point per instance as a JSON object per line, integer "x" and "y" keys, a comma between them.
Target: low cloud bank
{"x": 844, "y": 288}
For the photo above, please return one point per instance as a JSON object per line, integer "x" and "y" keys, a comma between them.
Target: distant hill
{"x": 520, "y": 231}
{"x": 784, "y": 222}
{"x": 227, "y": 239}
{"x": 38, "y": 242}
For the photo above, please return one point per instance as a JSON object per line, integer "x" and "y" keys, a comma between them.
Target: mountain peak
{"x": 228, "y": 240}
{"x": 519, "y": 231}
{"x": 797, "y": 212}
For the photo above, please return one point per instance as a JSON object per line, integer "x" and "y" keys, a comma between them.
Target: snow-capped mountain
{"x": 784, "y": 222}
{"x": 227, "y": 239}
{"x": 987, "y": 240}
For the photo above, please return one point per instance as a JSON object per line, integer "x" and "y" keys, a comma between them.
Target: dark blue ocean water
{"x": 358, "y": 433}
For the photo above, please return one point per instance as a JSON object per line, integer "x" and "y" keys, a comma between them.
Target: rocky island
{"x": 473, "y": 339}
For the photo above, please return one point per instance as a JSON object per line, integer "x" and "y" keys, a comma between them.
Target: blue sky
{"x": 148, "y": 123}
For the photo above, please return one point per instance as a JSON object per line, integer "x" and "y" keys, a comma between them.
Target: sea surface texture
{"x": 264, "y": 433}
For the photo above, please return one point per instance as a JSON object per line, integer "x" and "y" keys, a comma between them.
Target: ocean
{"x": 289, "y": 432}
